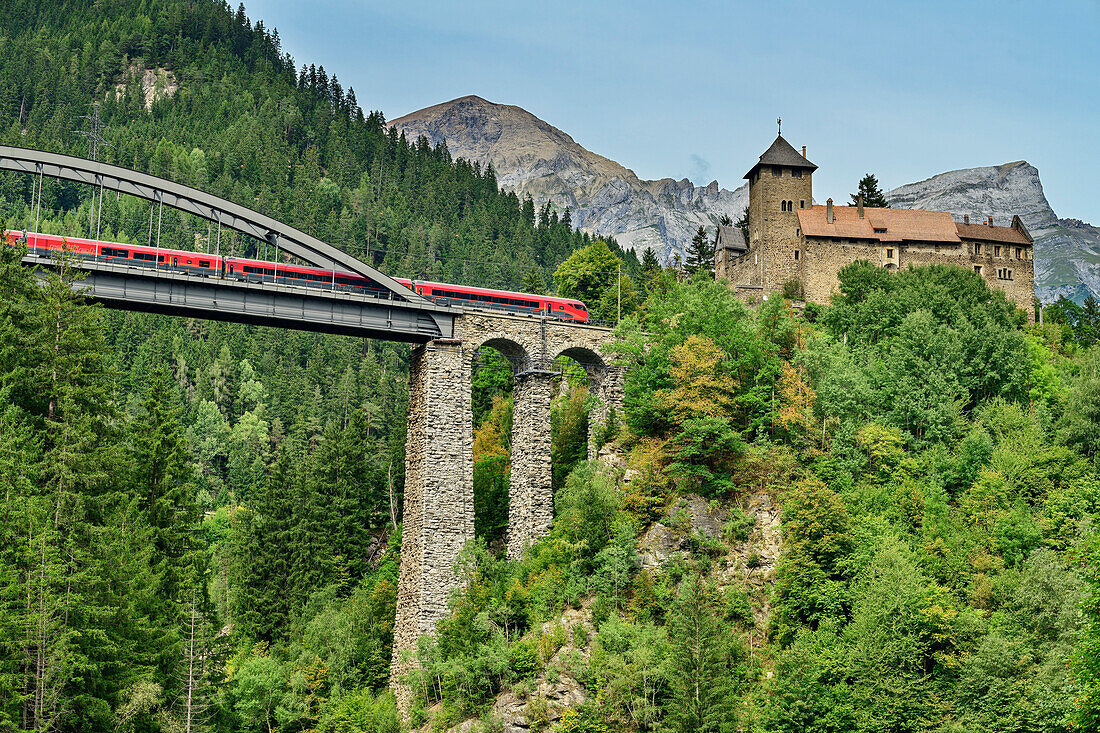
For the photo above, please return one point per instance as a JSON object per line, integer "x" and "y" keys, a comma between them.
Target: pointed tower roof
{"x": 781, "y": 153}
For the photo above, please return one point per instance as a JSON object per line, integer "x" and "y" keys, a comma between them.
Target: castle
{"x": 798, "y": 248}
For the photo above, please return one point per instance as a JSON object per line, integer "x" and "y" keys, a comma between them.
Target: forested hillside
{"x": 200, "y": 522}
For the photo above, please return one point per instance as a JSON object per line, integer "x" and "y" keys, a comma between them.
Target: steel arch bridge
{"x": 399, "y": 315}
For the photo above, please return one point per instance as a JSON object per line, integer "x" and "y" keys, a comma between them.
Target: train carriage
{"x": 252, "y": 270}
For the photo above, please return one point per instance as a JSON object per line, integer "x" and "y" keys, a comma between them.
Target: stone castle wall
{"x": 823, "y": 258}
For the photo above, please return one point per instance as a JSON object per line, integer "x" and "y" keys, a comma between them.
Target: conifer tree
{"x": 700, "y": 254}
{"x": 533, "y": 282}
{"x": 263, "y": 599}
{"x": 650, "y": 265}
{"x": 161, "y": 479}
{"x": 743, "y": 224}
{"x": 700, "y": 673}
{"x": 873, "y": 197}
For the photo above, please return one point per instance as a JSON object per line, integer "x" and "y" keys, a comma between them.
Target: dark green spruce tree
{"x": 161, "y": 479}
{"x": 263, "y": 601}
{"x": 700, "y": 254}
{"x": 650, "y": 266}
{"x": 873, "y": 197}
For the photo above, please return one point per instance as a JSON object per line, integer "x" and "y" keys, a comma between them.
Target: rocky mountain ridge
{"x": 533, "y": 157}
{"x": 1067, "y": 251}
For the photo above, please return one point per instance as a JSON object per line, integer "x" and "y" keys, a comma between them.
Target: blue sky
{"x": 902, "y": 89}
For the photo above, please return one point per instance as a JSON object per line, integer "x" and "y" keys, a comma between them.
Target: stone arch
{"x": 516, "y": 353}
{"x": 604, "y": 384}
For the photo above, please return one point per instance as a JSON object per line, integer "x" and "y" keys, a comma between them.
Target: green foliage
{"x": 596, "y": 276}
{"x": 705, "y": 663}
{"x": 700, "y": 254}
{"x": 873, "y": 197}
{"x": 569, "y": 433}
{"x": 362, "y": 712}
{"x": 1080, "y": 427}
{"x": 919, "y": 348}
{"x": 491, "y": 475}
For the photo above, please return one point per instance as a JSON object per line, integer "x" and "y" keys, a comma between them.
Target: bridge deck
{"x": 118, "y": 285}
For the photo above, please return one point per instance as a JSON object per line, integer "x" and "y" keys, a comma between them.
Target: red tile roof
{"x": 885, "y": 225}
{"x": 900, "y": 225}
{"x": 986, "y": 233}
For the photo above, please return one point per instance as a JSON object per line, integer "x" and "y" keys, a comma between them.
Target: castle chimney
{"x": 966, "y": 218}
{"x": 859, "y": 206}
{"x": 829, "y": 210}
{"x": 803, "y": 151}
{"x": 991, "y": 221}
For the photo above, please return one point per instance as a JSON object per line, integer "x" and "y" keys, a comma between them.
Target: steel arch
{"x": 204, "y": 205}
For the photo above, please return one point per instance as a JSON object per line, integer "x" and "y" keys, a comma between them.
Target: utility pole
{"x": 619, "y": 282}
{"x": 96, "y": 141}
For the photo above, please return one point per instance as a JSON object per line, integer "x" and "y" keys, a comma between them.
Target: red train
{"x": 246, "y": 270}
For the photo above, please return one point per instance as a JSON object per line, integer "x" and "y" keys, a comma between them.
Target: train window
{"x": 204, "y": 263}
{"x": 145, "y": 256}
{"x": 112, "y": 252}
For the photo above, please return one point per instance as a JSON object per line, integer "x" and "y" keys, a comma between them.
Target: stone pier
{"x": 439, "y": 495}
{"x": 605, "y": 384}
{"x": 530, "y": 495}
{"x": 439, "y": 501}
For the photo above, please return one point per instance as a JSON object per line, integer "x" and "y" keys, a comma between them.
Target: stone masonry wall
{"x": 823, "y": 259}
{"x": 742, "y": 273}
{"x": 770, "y": 225}
{"x": 439, "y": 495}
{"x": 530, "y": 494}
{"x": 606, "y": 385}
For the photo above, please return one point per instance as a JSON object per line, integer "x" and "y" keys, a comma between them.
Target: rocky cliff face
{"x": 532, "y": 156}
{"x": 1067, "y": 251}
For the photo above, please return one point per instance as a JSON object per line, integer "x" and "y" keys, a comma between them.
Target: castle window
{"x": 783, "y": 205}
{"x": 1019, "y": 253}
{"x": 796, "y": 172}
{"x": 879, "y": 230}
{"x": 802, "y": 204}
{"x": 796, "y": 254}
{"x": 996, "y": 250}
{"x": 977, "y": 269}
{"x": 889, "y": 254}
{"x": 777, "y": 171}
{"x": 977, "y": 248}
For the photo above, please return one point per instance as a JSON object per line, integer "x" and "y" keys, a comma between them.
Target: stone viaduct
{"x": 439, "y": 495}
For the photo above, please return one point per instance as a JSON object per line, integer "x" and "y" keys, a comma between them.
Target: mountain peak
{"x": 531, "y": 156}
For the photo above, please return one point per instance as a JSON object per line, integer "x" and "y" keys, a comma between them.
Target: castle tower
{"x": 780, "y": 183}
